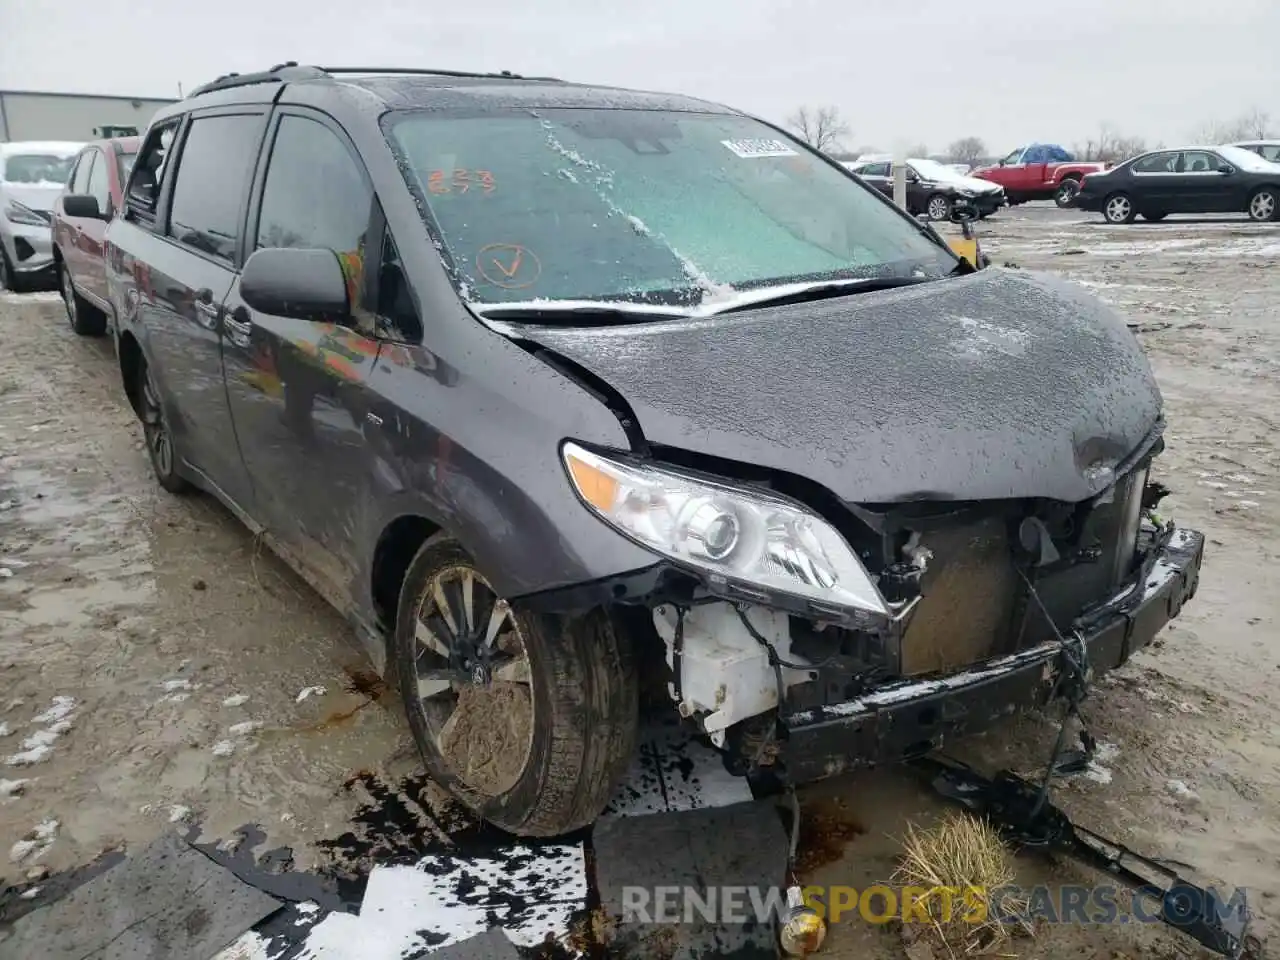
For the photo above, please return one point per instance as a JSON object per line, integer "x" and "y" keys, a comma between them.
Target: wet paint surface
{"x": 103, "y": 607}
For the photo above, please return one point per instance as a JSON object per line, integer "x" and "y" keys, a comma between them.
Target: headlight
{"x": 18, "y": 213}
{"x": 966, "y": 192}
{"x": 733, "y": 534}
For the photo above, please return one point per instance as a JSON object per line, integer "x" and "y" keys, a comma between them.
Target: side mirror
{"x": 1226, "y": 168}
{"x": 295, "y": 283}
{"x": 83, "y": 205}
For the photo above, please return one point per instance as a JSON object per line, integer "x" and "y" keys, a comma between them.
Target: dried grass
{"x": 962, "y": 853}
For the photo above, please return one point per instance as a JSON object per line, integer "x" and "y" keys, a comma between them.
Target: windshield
{"x": 932, "y": 170}
{"x": 643, "y": 207}
{"x": 1246, "y": 159}
{"x": 37, "y": 168}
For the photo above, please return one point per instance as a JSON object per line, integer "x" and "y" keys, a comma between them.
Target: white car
{"x": 1266, "y": 149}
{"x": 32, "y": 175}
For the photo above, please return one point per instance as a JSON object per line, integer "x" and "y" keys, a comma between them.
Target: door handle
{"x": 238, "y": 326}
{"x": 206, "y": 314}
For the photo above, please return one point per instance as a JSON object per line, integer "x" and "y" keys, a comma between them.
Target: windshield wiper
{"x": 581, "y": 312}
{"x": 817, "y": 290}
{"x": 603, "y": 312}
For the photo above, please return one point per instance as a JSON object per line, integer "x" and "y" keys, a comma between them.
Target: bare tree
{"x": 967, "y": 150}
{"x": 920, "y": 150}
{"x": 1256, "y": 124}
{"x": 1109, "y": 145}
{"x": 820, "y": 127}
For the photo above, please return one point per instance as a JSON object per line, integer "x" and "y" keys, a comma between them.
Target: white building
{"x": 28, "y": 115}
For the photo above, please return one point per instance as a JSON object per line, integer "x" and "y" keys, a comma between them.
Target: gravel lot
{"x": 154, "y": 658}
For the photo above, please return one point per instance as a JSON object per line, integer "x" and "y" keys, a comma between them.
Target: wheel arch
{"x": 131, "y": 360}
{"x": 394, "y": 549}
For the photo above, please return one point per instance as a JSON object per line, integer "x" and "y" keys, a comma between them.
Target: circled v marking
{"x": 508, "y": 265}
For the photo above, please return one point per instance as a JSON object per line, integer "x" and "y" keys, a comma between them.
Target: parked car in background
{"x": 1039, "y": 171}
{"x": 32, "y": 175}
{"x": 1266, "y": 149}
{"x": 94, "y": 192}
{"x": 1185, "y": 180}
{"x": 933, "y": 188}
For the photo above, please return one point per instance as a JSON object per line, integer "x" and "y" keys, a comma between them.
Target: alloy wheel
{"x": 1263, "y": 206}
{"x": 1067, "y": 192}
{"x": 154, "y": 427}
{"x": 1118, "y": 209}
{"x": 938, "y": 208}
{"x": 473, "y": 680}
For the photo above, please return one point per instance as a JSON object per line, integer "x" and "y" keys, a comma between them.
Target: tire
{"x": 1155, "y": 217}
{"x": 1118, "y": 208}
{"x": 1264, "y": 205}
{"x": 938, "y": 207}
{"x": 158, "y": 434}
{"x": 578, "y": 680}
{"x": 1065, "y": 195}
{"x": 8, "y": 277}
{"x": 85, "y": 319}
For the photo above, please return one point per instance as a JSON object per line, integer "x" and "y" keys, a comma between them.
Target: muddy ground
{"x": 157, "y": 664}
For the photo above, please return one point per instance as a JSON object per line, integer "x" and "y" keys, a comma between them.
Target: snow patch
{"x": 60, "y": 710}
{"x": 236, "y": 700}
{"x": 224, "y": 748}
{"x": 245, "y": 728}
{"x": 173, "y": 686}
{"x": 530, "y": 893}
{"x": 36, "y": 843}
{"x": 1095, "y": 771}
{"x": 39, "y": 745}
{"x": 179, "y": 814}
{"x": 12, "y": 788}
{"x": 5, "y": 729}
{"x": 1179, "y": 789}
{"x": 309, "y": 692}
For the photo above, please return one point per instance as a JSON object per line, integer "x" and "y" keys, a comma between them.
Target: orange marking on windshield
{"x": 460, "y": 180}
{"x": 508, "y": 265}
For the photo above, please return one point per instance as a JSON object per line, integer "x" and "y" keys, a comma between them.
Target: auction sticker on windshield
{"x": 759, "y": 148}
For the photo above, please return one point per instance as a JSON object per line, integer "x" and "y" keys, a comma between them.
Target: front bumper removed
{"x": 910, "y": 718}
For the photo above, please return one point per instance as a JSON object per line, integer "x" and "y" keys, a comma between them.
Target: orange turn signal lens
{"x": 597, "y": 487}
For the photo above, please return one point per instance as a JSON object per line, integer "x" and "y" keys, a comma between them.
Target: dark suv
{"x": 563, "y": 394}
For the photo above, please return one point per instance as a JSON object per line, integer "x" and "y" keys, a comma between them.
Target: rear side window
{"x": 1156, "y": 163}
{"x": 80, "y": 180}
{"x": 148, "y": 173}
{"x": 98, "y": 183}
{"x": 209, "y": 190}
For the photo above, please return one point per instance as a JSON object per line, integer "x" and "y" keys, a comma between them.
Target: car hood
{"x": 995, "y": 385}
{"x": 982, "y": 186}
{"x": 36, "y": 196}
{"x": 972, "y": 184}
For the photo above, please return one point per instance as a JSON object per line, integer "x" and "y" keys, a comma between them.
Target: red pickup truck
{"x": 1039, "y": 171}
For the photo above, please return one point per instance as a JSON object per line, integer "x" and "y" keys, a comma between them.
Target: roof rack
{"x": 291, "y": 70}
{"x": 430, "y": 72}
{"x": 280, "y": 73}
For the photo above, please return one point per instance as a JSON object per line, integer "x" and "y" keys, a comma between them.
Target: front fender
{"x": 463, "y": 453}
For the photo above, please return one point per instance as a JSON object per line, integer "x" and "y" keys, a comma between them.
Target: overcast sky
{"x": 929, "y": 71}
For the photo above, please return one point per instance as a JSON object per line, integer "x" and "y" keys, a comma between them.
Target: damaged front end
{"x": 948, "y": 618}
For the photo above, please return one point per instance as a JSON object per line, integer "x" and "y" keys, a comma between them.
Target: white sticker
{"x": 759, "y": 148}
